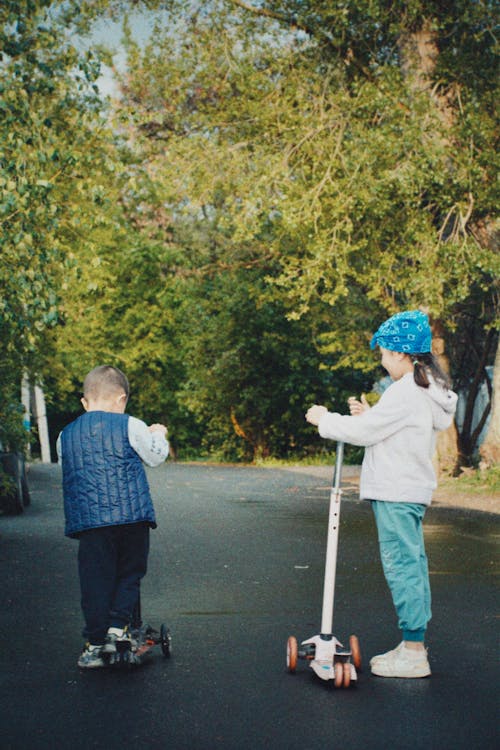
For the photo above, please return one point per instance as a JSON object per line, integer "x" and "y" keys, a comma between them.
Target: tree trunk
{"x": 419, "y": 53}
{"x": 41, "y": 419}
{"x": 446, "y": 454}
{"x": 490, "y": 449}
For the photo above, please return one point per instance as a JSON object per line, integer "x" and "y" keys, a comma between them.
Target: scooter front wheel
{"x": 355, "y": 651}
{"x": 165, "y": 641}
{"x": 292, "y": 650}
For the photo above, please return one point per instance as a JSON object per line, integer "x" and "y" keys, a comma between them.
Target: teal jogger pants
{"x": 402, "y": 551}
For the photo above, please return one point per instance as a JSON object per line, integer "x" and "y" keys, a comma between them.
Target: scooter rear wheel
{"x": 292, "y": 650}
{"x": 346, "y": 674}
{"x": 355, "y": 651}
{"x": 339, "y": 674}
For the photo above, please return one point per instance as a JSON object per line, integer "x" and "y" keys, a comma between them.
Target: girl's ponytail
{"x": 425, "y": 364}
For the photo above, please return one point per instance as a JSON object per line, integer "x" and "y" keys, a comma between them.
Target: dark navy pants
{"x": 111, "y": 562}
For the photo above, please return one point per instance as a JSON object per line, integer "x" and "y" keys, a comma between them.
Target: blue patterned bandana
{"x": 407, "y": 332}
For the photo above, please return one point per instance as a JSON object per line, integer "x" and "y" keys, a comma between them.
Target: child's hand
{"x": 358, "y": 407}
{"x": 158, "y": 428}
{"x": 315, "y": 413}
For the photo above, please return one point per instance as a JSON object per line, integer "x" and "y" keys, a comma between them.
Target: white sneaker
{"x": 401, "y": 662}
{"x": 91, "y": 657}
{"x": 117, "y": 639}
{"x": 386, "y": 655}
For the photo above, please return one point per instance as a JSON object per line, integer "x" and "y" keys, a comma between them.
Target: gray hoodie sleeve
{"x": 397, "y": 409}
{"x": 377, "y": 424}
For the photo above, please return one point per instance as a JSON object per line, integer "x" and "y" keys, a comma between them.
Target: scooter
{"x": 326, "y": 655}
{"x": 143, "y": 638}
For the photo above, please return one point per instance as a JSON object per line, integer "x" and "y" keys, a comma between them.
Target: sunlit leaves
{"x": 53, "y": 160}
{"x": 295, "y": 143}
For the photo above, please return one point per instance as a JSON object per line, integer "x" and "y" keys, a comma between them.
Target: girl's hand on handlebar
{"x": 358, "y": 407}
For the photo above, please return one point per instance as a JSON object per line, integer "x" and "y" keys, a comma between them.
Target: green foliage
{"x": 55, "y": 160}
{"x": 251, "y": 371}
{"x": 277, "y": 178}
{"x": 355, "y": 187}
{"x": 13, "y": 436}
{"x": 315, "y": 152}
{"x": 8, "y": 490}
{"x": 54, "y": 155}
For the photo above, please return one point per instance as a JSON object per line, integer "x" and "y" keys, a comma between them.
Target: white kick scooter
{"x": 327, "y": 657}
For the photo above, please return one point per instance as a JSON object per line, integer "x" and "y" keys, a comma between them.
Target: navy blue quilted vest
{"x": 104, "y": 481}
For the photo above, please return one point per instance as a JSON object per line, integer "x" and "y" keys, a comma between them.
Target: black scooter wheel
{"x": 165, "y": 641}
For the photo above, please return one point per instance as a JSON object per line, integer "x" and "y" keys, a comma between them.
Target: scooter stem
{"x": 331, "y": 546}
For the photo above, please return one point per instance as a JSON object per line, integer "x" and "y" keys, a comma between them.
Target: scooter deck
{"x": 143, "y": 640}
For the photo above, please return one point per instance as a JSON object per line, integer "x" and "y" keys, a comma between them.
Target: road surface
{"x": 236, "y": 567}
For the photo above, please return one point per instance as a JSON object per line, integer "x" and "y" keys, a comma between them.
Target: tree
{"x": 348, "y": 154}
{"x": 51, "y": 159}
{"x": 243, "y": 360}
{"x": 251, "y": 370}
{"x": 285, "y": 176}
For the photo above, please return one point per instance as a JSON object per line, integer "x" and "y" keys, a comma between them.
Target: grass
{"x": 474, "y": 482}
{"x": 265, "y": 463}
{"x": 325, "y": 458}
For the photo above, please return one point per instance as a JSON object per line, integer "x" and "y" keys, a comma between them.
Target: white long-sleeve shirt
{"x": 151, "y": 447}
{"x": 399, "y": 438}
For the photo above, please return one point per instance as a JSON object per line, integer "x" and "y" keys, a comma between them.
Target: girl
{"x": 397, "y": 475}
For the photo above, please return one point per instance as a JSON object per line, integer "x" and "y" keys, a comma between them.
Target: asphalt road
{"x": 236, "y": 567}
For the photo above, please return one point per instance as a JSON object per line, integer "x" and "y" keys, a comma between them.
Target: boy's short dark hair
{"x": 105, "y": 381}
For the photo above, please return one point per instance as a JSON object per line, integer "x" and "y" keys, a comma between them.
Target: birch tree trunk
{"x": 490, "y": 449}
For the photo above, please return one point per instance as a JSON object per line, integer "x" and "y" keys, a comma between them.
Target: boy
{"x": 108, "y": 507}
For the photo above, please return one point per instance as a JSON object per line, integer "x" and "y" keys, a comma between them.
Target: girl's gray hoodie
{"x": 399, "y": 435}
